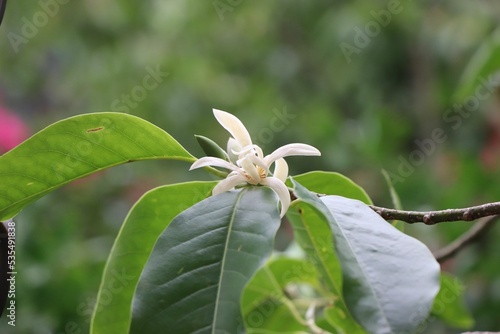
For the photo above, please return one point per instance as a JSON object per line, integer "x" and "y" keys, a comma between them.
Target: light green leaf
{"x": 449, "y": 305}
{"x": 390, "y": 279}
{"x": 76, "y": 147}
{"x": 314, "y": 236}
{"x": 330, "y": 183}
{"x": 264, "y": 303}
{"x": 138, "y": 234}
{"x": 200, "y": 264}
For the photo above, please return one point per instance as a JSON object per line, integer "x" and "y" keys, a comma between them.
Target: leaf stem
{"x": 215, "y": 172}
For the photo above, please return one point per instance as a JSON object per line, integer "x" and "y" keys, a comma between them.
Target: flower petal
{"x": 250, "y": 169}
{"x": 228, "y": 183}
{"x": 258, "y": 162}
{"x": 212, "y": 161}
{"x": 289, "y": 150}
{"x": 281, "y": 190}
{"x": 281, "y": 169}
{"x": 232, "y": 124}
{"x": 232, "y": 147}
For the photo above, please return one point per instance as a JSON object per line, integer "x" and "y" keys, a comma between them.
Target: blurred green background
{"x": 369, "y": 83}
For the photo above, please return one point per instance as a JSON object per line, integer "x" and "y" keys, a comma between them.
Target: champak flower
{"x": 247, "y": 163}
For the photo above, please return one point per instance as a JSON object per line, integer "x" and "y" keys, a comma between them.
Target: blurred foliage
{"x": 279, "y": 66}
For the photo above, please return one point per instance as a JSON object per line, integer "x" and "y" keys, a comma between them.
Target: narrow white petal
{"x": 245, "y": 150}
{"x": 281, "y": 169}
{"x": 232, "y": 147}
{"x": 250, "y": 169}
{"x": 281, "y": 190}
{"x": 258, "y": 161}
{"x": 259, "y": 152}
{"x": 228, "y": 183}
{"x": 232, "y": 124}
{"x": 289, "y": 150}
{"x": 212, "y": 161}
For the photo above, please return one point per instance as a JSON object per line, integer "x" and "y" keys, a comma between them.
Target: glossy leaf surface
{"x": 199, "y": 266}
{"x": 76, "y": 147}
{"x": 331, "y": 183}
{"x": 145, "y": 222}
{"x": 390, "y": 279}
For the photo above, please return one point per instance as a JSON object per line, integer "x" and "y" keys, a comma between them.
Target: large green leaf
{"x": 138, "y": 234}
{"x": 331, "y": 183}
{"x": 200, "y": 264}
{"x": 390, "y": 279}
{"x": 314, "y": 236}
{"x": 266, "y": 307}
{"x": 76, "y": 147}
{"x": 449, "y": 305}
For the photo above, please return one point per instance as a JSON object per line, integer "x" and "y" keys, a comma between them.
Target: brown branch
{"x": 472, "y": 235}
{"x": 434, "y": 217}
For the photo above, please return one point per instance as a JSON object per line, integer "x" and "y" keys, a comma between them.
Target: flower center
{"x": 262, "y": 174}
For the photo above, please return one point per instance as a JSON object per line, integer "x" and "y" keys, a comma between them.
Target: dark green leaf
{"x": 200, "y": 264}
{"x": 76, "y": 147}
{"x": 138, "y": 234}
{"x": 211, "y": 148}
{"x": 390, "y": 279}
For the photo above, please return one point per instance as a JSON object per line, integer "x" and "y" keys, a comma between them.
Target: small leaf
{"x": 449, "y": 305}
{"x": 200, "y": 264}
{"x": 390, "y": 279}
{"x": 76, "y": 147}
{"x": 314, "y": 236}
{"x": 264, "y": 303}
{"x": 138, "y": 234}
{"x": 211, "y": 148}
{"x": 331, "y": 183}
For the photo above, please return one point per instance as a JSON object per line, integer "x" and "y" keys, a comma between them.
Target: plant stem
{"x": 434, "y": 217}
{"x": 472, "y": 235}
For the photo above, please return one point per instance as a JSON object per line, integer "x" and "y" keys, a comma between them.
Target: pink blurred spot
{"x": 13, "y": 130}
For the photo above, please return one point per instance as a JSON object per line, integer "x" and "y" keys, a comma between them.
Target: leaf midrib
{"x": 331, "y": 280}
{"x": 223, "y": 261}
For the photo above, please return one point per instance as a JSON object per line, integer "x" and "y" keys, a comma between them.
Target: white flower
{"x": 248, "y": 163}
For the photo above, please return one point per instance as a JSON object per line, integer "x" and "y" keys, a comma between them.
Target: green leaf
{"x": 200, "y": 264}
{"x": 314, "y": 236}
{"x": 264, "y": 303}
{"x": 390, "y": 279}
{"x": 331, "y": 183}
{"x": 76, "y": 147}
{"x": 211, "y": 148}
{"x": 480, "y": 71}
{"x": 449, "y": 305}
{"x": 132, "y": 248}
